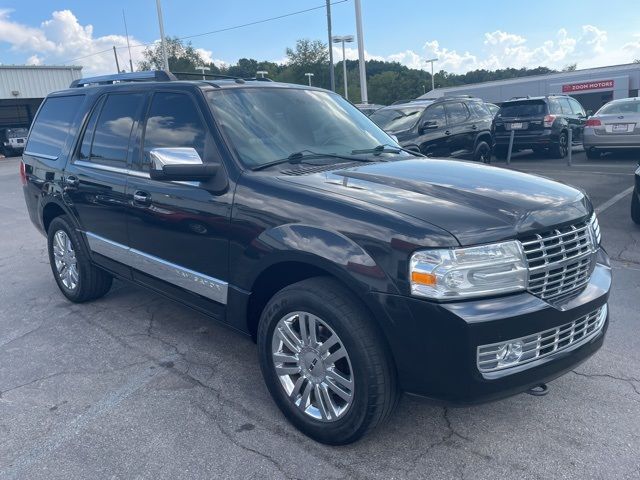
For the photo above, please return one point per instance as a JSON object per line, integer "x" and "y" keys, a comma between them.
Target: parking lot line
{"x": 613, "y": 200}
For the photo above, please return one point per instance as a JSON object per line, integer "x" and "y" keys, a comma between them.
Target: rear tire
{"x": 78, "y": 279}
{"x": 560, "y": 148}
{"x": 482, "y": 152}
{"x": 592, "y": 153}
{"x": 635, "y": 207}
{"x": 307, "y": 363}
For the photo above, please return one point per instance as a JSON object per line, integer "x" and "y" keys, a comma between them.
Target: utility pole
{"x": 163, "y": 40}
{"x": 115, "y": 54}
{"x": 309, "y": 75}
{"x": 363, "y": 69}
{"x": 433, "y": 82}
{"x": 332, "y": 73}
{"x": 126, "y": 31}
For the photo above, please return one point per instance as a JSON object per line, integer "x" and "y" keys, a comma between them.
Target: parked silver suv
{"x": 615, "y": 126}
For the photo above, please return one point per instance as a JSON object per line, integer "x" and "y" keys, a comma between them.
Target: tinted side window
{"x": 113, "y": 128}
{"x": 52, "y": 125}
{"x": 436, "y": 115}
{"x": 456, "y": 113}
{"x": 566, "y": 106}
{"x": 576, "y": 107}
{"x": 87, "y": 137}
{"x": 554, "y": 107}
{"x": 173, "y": 121}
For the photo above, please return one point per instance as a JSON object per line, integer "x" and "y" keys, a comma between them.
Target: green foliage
{"x": 387, "y": 81}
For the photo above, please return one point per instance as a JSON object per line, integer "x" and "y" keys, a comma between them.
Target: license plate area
{"x": 517, "y": 126}
{"x": 620, "y": 127}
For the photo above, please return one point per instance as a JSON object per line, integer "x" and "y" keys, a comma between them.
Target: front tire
{"x": 324, "y": 362}
{"x": 78, "y": 279}
{"x": 635, "y": 207}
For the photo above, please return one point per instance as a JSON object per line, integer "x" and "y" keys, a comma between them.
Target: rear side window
{"x": 52, "y": 126}
{"x": 523, "y": 109}
{"x": 173, "y": 121}
{"x": 566, "y": 106}
{"x": 106, "y": 138}
{"x": 456, "y": 113}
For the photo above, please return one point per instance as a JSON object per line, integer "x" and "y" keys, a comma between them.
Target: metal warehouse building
{"x": 23, "y": 87}
{"x": 592, "y": 87}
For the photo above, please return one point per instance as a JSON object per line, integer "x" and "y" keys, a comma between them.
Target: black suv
{"x": 458, "y": 127}
{"x": 538, "y": 123}
{"x": 282, "y": 211}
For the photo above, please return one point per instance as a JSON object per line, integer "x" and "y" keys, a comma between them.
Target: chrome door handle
{"x": 142, "y": 197}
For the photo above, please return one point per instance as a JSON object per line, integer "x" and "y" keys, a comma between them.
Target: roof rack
{"x": 149, "y": 76}
{"x": 223, "y": 77}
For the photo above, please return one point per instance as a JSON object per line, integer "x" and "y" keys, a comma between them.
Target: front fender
{"x": 322, "y": 248}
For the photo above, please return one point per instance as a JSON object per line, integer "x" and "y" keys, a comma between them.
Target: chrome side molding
{"x": 182, "y": 277}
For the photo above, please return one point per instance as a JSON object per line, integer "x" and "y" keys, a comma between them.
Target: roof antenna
{"x": 127, "y": 34}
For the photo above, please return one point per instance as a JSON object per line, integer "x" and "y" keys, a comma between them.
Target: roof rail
{"x": 223, "y": 77}
{"x": 149, "y": 76}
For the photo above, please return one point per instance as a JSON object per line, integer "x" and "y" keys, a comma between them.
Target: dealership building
{"x": 23, "y": 87}
{"x": 592, "y": 87}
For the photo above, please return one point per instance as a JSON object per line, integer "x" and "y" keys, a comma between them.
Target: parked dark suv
{"x": 539, "y": 123}
{"x": 458, "y": 127}
{"x": 280, "y": 210}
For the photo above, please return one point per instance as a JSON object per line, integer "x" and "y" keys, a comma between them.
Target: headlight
{"x": 469, "y": 272}
{"x": 595, "y": 229}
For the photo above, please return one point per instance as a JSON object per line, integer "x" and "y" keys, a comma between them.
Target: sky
{"x": 463, "y": 35}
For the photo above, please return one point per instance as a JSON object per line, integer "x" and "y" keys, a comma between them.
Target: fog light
{"x": 509, "y": 354}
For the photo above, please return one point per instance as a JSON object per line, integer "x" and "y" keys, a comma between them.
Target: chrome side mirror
{"x": 179, "y": 164}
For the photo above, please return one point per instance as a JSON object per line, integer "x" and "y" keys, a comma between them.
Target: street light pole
{"x": 344, "y": 39}
{"x": 433, "y": 83}
{"x": 309, "y": 75}
{"x": 361, "y": 64}
{"x": 165, "y": 59}
{"x": 332, "y": 73}
{"x": 262, "y": 73}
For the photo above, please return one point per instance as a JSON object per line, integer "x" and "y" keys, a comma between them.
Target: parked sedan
{"x": 368, "y": 108}
{"x": 615, "y": 126}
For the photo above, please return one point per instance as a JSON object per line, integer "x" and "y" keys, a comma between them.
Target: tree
{"x": 182, "y": 57}
{"x": 308, "y": 52}
{"x": 570, "y": 68}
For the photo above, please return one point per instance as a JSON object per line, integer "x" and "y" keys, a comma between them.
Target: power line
{"x": 244, "y": 25}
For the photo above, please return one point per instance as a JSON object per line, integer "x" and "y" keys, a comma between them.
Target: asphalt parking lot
{"x": 135, "y": 386}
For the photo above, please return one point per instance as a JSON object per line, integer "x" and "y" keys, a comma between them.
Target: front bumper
{"x": 435, "y": 344}
{"x": 526, "y": 139}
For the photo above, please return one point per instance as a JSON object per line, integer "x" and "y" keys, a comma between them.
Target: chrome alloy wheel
{"x": 313, "y": 366}
{"x": 65, "y": 259}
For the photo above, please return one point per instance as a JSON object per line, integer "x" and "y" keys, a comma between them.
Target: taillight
{"x": 593, "y": 122}
{"x": 548, "y": 121}
{"x": 23, "y": 173}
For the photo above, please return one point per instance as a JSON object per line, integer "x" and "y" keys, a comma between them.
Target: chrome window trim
{"x": 41, "y": 155}
{"x": 188, "y": 279}
{"x": 108, "y": 168}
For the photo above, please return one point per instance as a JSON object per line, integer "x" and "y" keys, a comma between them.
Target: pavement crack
{"x": 628, "y": 380}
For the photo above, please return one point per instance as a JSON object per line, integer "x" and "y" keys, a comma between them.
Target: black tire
{"x": 635, "y": 207}
{"x": 501, "y": 152}
{"x": 560, "y": 148}
{"x": 92, "y": 282}
{"x": 482, "y": 152}
{"x": 593, "y": 154}
{"x": 375, "y": 392}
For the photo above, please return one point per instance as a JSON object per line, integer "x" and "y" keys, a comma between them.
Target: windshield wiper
{"x": 385, "y": 148}
{"x": 298, "y": 157}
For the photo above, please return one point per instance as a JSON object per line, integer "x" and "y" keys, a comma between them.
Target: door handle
{"x": 142, "y": 198}
{"x": 71, "y": 182}
{"x": 474, "y": 127}
{"x": 447, "y": 132}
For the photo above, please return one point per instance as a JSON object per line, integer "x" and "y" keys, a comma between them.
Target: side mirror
{"x": 589, "y": 113}
{"x": 428, "y": 125}
{"x": 179, "y": 164}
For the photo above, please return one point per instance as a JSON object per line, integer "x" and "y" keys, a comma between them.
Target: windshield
{"x": 523, "y": 109}
{"x": 620, "y": 108}
{"x": 398, "y": 119}
{"x": 268, "y": 124}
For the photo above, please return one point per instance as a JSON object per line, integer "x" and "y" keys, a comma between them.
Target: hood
{"x": 474, "y": 202}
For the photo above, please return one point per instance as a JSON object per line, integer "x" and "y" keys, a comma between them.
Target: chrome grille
{"x": 544, "y": 343}
{"x": 559, "y": 260}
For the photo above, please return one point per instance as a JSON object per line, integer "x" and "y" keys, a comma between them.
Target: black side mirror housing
{"x": 185, "y": 172}
{"x": 428, "y": 125}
